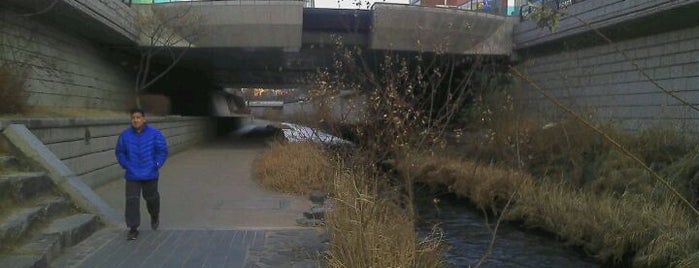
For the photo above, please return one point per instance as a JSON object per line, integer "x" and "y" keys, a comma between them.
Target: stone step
{"x": 19, "y": 221}
{"x": 73, "y": 229}
{"x": 8, "y": 162}
{"x": 45, "y": 247}
{"x": 75, "y": 255}
{"x": 20, "y": 186}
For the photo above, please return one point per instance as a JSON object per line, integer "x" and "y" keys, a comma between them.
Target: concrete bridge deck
{"x": 212, "y": 215}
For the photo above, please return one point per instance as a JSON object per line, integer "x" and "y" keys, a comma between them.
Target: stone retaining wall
{"x": 86, "y": 145}
{"x": 653, "y": 42}
{"x": 602, "y": 81}
{"x": 63, "y": 68}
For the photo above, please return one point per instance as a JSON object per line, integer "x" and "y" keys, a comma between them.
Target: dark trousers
{"x": 133, "y": 199}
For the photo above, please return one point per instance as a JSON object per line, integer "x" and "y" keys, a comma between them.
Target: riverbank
{"x": 619, "y": 217}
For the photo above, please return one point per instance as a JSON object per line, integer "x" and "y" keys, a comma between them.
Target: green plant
{"x": 545, "y": 16}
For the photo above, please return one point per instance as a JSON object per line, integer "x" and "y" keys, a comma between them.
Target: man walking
{"x": 141, "y": 151}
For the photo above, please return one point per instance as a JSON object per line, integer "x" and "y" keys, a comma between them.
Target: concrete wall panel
{"x": 103, "y": 175}
{"x": 71, "y": 149}
{"x": 87, "y": 163}
{"x": 416, "y": 28}
{"x": 112, "y": 13}
{"x": 246, "y": 24}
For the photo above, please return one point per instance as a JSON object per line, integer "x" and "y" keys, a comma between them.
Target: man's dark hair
{"x": 137, "y": 110}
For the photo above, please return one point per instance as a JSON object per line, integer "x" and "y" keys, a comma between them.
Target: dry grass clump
{"x": 369, "y": 228}
{"x": 612, "y": 172}
{"x": 485, "y": 185}
{"x": 660, "y": 146}
{"x": 295, "y": 167}
{"x": 13, "y": 98}
{"x": 563, "y": 150}
{"x": 609, "y": 228}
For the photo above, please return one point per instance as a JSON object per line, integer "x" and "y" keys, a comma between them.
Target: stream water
{"x": 467, "y": 239}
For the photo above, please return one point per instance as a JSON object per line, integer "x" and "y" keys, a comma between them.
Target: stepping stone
{"x": 316, "y": 212}
{"x": 309, "y": 222}
{"x": 318, "y": 197}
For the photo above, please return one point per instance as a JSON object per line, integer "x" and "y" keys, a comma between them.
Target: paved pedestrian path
{"x": 199, "y": 248}
{"x": 212, "y": 215}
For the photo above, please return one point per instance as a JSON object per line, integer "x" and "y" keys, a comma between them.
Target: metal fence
{"x": 505, "y": 8}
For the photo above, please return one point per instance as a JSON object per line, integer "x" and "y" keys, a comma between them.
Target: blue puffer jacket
{"x": 141, "y": 154}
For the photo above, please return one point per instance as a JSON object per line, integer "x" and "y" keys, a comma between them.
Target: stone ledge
{"x": 58, "y": 122}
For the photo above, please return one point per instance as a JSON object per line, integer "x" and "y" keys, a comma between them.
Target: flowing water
{"x": 467, "y": 238}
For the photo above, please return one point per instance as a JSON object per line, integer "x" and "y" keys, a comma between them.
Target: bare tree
{"x": 166, "y": 33}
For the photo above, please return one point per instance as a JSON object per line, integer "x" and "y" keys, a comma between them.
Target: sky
{"x": 351, "y": 3}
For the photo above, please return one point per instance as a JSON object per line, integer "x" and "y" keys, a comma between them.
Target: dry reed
{"x": 370, "y": 228}
{"x": 487, "y": 186}
{"x": 295, "y": 167}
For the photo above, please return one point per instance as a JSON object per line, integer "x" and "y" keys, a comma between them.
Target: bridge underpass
{"x": 297, "y": 42}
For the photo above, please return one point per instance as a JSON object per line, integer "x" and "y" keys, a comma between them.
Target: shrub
{"x": 13, "y": 98}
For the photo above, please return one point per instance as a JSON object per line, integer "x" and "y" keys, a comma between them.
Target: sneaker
{"x": 154, "y": 223}
{"x": 132, "y": 235}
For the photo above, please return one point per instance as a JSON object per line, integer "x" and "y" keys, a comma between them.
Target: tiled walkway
{"x": 212, "y": 215}
{"x": 199, "y": 248}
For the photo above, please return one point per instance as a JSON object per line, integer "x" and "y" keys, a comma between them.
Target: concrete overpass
{"x": 288, "y": 26}
{"x": 267, "y": 42}
{"x": 74, "y": 49}
{"x": 83, "y": 52}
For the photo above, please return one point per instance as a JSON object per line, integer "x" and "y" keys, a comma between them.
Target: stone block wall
{"x": 441, "y": 30}
{"x": 86, "y": 145}
{"x": 64, "y": 69}
{"x": 244, "y": 24}
{"x": 601, "y": 80}
{"x": 596, "y": 13}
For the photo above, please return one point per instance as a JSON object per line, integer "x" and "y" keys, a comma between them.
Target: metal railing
{"x": 497, "y": 7}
